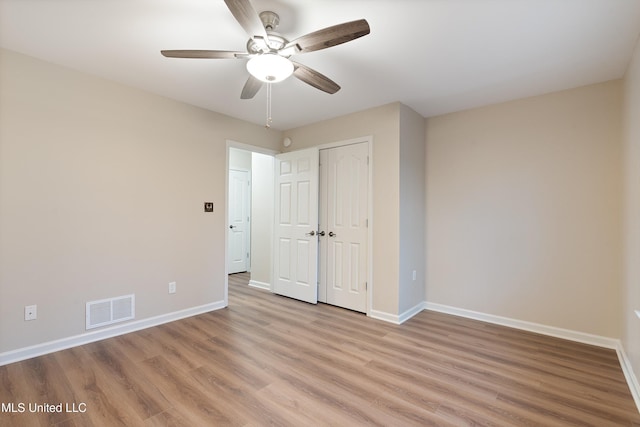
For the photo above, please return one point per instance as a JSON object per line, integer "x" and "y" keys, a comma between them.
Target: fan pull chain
{"x": 269, "y": 120}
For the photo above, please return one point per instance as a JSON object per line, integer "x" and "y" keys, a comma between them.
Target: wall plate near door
{"x": 30, "y": 312}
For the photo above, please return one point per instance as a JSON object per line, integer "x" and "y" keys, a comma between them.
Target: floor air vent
{"x": 111, "y": 310}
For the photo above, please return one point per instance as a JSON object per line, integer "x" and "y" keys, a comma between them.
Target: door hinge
{"x": 366, "y": 222}
{"x": 247, "y": 254}
{"x": 367, "y": 160}
{"x": 366, "y": 286}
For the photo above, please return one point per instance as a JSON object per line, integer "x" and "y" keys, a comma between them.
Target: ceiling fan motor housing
{"x": 276, "y": 41}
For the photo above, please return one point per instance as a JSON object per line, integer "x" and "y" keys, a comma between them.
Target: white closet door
{"x": 296, "y": 221}
{"x": 343, "y": 218}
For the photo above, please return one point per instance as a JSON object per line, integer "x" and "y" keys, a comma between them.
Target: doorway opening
{"x": 249, "y": 214}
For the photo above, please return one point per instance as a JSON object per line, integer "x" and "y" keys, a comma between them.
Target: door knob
{"x": 311, "y": 233}
{"x": 321, "y": 233}
{"x": 232, "y": 226}
{"x": 332, "y": 234}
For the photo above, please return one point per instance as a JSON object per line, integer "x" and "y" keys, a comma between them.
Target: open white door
{"x": 296, "y": 220}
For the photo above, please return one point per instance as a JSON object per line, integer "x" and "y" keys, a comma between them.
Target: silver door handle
{"x": 311, "y": 233}
{"x": 232, "y": 226}
{"x": 332, "y": 234}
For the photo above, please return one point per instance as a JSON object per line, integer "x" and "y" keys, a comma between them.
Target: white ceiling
{"x": 436, "y": 56}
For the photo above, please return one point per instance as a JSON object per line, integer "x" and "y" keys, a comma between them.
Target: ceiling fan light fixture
{"x": 270, "y": 67}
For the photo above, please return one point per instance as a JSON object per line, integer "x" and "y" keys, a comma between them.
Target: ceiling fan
{"x": 269, "y": 52}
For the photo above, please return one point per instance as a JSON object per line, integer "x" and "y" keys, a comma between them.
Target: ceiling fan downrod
{"x": 269, "y": 119}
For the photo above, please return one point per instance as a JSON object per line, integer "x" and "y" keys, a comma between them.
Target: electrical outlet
{"x": 172, "y": 287}
{"x": 414, "y": 275}
{"x": 30, "y": 312}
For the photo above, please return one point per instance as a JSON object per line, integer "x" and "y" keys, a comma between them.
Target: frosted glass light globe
{"x": 270, "y": 67}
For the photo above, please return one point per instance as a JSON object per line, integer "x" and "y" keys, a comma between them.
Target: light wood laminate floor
{"x": 269, "y": 360}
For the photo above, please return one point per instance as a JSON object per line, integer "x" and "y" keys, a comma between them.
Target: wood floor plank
{"x": 97, "y": 391}
{"x": 271, "y": 360}
{"x": 230, "y": 389}
{"x": 169, "y": 418}
{"x": 181, "y": 390}
{"x": 14, "y": 391}
{"x": 128, "y": 382}
{"x": 48, "y": 385}
{"x": 301, "y": 408}
{"x": 324, "y": 390}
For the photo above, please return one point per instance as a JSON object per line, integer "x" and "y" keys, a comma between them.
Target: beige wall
{"x": 101, "y": 194}
{"x": 383, "y": 124}
{"x": 239, "y": 159}
{"x": 631, "y": 282}
{"x": 523, "y": 209}
{"x": 412, "y": 209}
{"x": 262, "y": 195}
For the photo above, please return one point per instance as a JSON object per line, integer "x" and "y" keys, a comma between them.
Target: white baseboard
{"x": 566, "y": 334}
{"x": 259, "y": 285}
{"x": 387, "y": 317}
{"x": 629, "y": 375}
{"x": 97, "y": 335}
{"x": 397, "y": 319}
{"x": 408, "y": 314}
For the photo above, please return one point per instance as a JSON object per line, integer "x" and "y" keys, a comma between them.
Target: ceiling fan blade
{"x": 331, "y": 36}
{"x": 251, "y": 87}
{"x": 314, "y": 78}
{"x": 210, "y": 54}
{"x": 247, "y": 17}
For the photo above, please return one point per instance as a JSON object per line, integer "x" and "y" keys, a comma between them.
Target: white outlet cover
{"x": 30, "y": 312}
{"x": 172, "y": 287}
